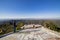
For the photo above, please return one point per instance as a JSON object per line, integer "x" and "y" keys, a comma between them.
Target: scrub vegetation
{"x": 51, "y": 25}
{"x": 7, "y": 27}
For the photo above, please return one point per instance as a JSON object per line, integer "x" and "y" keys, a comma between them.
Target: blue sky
{"x": 16, "y": 9}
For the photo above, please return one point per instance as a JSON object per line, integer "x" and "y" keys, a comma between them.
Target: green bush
{"x": 6, "y": 28}
{"x": 51, "y": 25}
{"x": 19, "y": 25}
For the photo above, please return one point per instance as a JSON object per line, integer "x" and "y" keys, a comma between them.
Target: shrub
{"x": 51, "y": 25}
{"x": 19, "y": 25}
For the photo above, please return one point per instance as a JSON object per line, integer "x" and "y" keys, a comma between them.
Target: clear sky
{"x": 16, "y": 9}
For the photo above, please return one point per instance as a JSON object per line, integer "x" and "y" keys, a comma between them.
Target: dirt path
{"x": 33, "y": 34}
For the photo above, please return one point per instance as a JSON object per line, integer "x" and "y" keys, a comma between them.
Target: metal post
{"x": 14, "y": 23}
